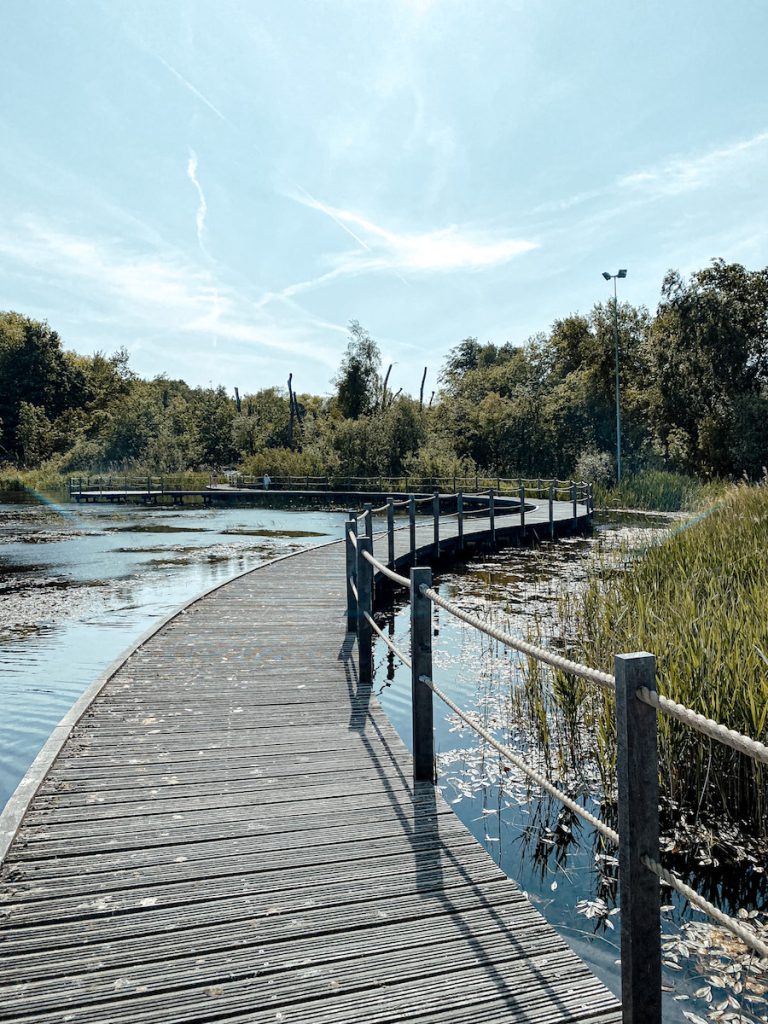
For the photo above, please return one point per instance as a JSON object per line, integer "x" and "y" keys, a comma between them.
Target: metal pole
{"x": 436, "y": 517}
{"x": 638, "y": 787}
{"x": 365, "y": 604}
{"x": 421, "y": 665}
{"x": 492, "y": 517}
{"x": 460, "y": 518}
{"x": 618, "y": 404}
{"x": 351, "y": 533}
{"x": 551, "y": 510}
{"x": 573, "y": 500}
{"x": 391, "y": 532}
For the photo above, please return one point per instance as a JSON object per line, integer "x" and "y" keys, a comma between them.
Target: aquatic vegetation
{"x": 658, "y": 490}
{"x": 698, "y": 602}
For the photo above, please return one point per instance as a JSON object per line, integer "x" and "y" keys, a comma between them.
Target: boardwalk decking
{"x": 232, "y": 833}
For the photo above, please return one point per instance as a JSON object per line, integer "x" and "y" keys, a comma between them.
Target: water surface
{"x": 79, "y": 584}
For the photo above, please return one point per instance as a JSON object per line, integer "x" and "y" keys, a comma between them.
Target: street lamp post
{"x": 613, "y": 277}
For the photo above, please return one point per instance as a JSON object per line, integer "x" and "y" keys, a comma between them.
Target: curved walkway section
{"x": 232, "y": 833}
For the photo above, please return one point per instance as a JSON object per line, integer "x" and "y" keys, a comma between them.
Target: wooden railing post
{"x": 551, "y": 510}
{"x": 436, "y": 517}
{"x": 421, "y": 665}
{"x": 365, "y": 604}
{"x": 350, "y": 531}
{"x": 573, "y": 500}
{"x": 368, "y": 507}
{"x": 522, "y": 511}
{"x": 492, "y": 516}
{"x": 412, "y": 525}
{"x": 460, "y": 518}
{"x": 391, "y": 532}
{"x": 538, "y": 488}
{"x": 638, "y": 787}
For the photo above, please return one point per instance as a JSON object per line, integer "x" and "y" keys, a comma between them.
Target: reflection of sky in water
{"x": 551, "y": 855}
{"x": 79, "y": 583}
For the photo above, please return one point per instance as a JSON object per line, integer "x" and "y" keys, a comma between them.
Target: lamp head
{"x": 606, "y": 275}
{"x": 622, "y": 273}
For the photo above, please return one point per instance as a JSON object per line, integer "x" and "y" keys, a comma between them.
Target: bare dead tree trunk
{"x": 384, "y": 389}
{"x": 430, "y": 400}
{"x": 237, "y": 399}
{"x": 421, "y": 393}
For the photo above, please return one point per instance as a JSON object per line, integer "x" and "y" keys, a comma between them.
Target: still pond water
{"x": 78, "y": 584}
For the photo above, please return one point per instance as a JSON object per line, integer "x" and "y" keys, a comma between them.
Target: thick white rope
{"x": 402, "y": 580}
{"x": 396, "y": 651}
{"x": 537, "y": 777}
{"x": 353, "y": 588}
{"x": 362, "y": 516}
{"x": 731, "y": 738}
{"x": 352, "y": 538}
{"x": 747, "y": 935}
{"x": 602, "y": 678}
{"x": 381, "y": 508}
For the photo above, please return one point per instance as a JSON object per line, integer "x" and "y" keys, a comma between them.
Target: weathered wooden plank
{"x": 232, "y": 832}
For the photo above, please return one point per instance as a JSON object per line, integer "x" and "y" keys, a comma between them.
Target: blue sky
{"x": 221, "y": 186}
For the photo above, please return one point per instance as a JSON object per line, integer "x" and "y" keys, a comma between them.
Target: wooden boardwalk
{"x": 231, "y": 833}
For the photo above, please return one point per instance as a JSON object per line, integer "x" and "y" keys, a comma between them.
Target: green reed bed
{"x": 699, "y": 602}
{"x": 658, "y": 491}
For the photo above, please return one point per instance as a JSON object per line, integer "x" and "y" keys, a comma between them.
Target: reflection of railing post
{"x": 638, "y": 787}
{"x": 522, "y": 511}
{"x": 351, "y": 534}
{"x": 412, "y": 525}
{"x": 492, "y": 516}
{"x": 365, "y": 604}
{"x": 391, "y": 532}
{"x": 460, "y": 518}
{"x": 368, "y": 509}
{"x": 436, "y": 517}
{"x": 551, "y": 509}
{"x": 421, "y": 665}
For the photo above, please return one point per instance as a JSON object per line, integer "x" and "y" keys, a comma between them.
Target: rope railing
{"x": 519, "y": 763}
{"x": 403, "y": 581}
{"x": 353, "y": 587}
{"x": 539, "y": 653}
{"x": 707, "y": 726}
{"x": 395, "y": 650}
{"x": 637, "y": 708}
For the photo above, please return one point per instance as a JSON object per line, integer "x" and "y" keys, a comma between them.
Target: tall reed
{"x": 699, "y": 602}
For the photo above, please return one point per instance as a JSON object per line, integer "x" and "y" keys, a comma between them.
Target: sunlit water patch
{"x": 76, "y": 590}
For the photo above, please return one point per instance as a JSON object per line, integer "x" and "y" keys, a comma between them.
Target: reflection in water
{"x": 74, "y": 595}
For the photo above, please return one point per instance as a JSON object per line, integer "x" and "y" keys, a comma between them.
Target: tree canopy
{"x": 694, "y": 397}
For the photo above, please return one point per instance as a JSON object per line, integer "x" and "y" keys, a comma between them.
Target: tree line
{"x": 694, "y": 399}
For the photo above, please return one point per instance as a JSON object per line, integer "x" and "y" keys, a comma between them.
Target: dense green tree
{"x": 358, "y": 382}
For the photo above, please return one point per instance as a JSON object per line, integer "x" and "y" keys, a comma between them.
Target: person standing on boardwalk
{"x": 267, "y": 481}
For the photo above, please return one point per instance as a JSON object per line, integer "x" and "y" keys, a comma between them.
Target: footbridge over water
{"x": 227, "y": 828}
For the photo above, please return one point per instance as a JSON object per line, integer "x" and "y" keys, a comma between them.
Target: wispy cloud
{"x": 446, "y": 249}
{"x": 202, "y": 207}
{"x": 195, "y": 92}
{"x": 161, "y": 291}
{"x": 686, "y": 174}
{"x": 673, "y": 177}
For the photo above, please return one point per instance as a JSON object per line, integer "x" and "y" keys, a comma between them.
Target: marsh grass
{"x": 699, "y": 602}
{"x": 658, "y": 490}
